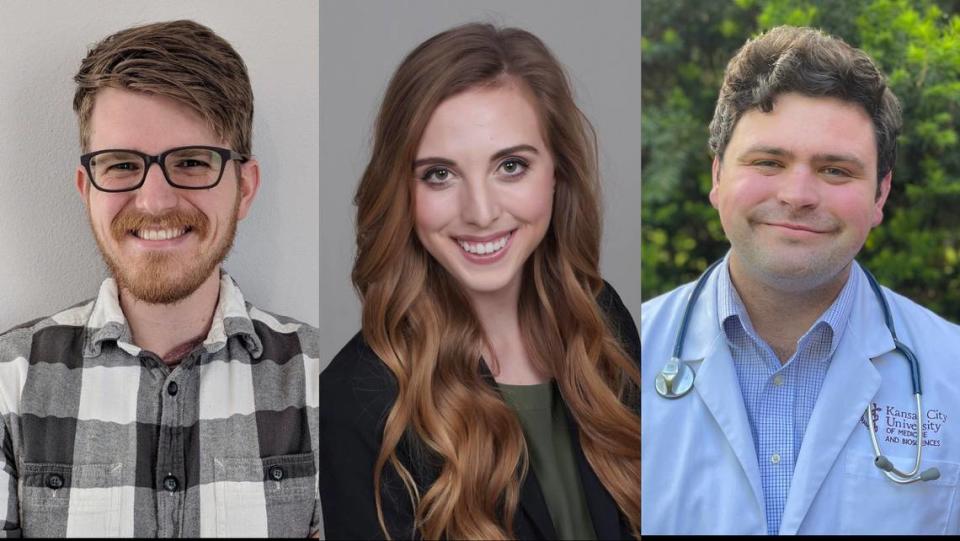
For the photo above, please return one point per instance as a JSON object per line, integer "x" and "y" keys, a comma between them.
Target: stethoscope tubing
{"x": 677, "y": 373}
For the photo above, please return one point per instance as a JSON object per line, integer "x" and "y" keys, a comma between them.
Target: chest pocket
{"x": 872, "y": 503}
{"x": 270, "y": 496}
{"x": 59, "y": 500}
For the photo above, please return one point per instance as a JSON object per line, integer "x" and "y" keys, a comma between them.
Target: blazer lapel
{"x": 604, "y": 512}
{"x": 534, "y": 506}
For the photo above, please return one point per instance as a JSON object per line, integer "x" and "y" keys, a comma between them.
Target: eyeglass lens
{"x": 187, "y": 167}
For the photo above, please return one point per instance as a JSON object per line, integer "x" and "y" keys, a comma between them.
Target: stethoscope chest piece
{"x": 675, "y": 380}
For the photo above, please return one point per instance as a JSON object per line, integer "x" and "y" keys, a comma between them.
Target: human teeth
{"x": 160, "y": 234}
{"x": 484, "y": 248}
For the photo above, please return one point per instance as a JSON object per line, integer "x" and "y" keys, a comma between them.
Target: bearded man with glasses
{"x": 168, "y": 405}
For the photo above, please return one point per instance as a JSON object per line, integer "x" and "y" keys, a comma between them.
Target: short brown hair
{"x": 812, "y": 63}
{"x": 181, "y": 60}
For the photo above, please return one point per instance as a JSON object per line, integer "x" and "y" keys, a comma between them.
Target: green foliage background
{"x": 685, "y": 47}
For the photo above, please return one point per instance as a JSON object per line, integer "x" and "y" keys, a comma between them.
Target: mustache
{"x": 130, "y": 219}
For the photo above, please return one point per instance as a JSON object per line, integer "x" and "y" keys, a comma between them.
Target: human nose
{"x": 480, "y": 206}
{"x": 155, "y": 195}
{"x": 800, "y": 189}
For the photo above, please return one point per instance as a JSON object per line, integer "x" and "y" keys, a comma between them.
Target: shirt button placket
{"x": 173, "y": 483}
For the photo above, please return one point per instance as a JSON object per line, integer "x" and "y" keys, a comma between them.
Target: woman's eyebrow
{"x": 513, "y": 150}
{"x": 434, "y": 161}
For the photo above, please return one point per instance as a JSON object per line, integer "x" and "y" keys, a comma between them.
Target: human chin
{"x": 164, "y": 276}
{"x": 486, "y": 281}
{"x": 792, "y": 268}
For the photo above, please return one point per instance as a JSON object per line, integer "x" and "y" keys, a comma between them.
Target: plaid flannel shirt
{"x": 99, "y": 438}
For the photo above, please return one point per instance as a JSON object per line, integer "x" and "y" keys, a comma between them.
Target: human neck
{"x": 499, "y": 318}
{"x": 781, "y": 317}
{"x": 162, "y": 328}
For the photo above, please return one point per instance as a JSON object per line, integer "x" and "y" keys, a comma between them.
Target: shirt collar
{"x": 230, "y": 318}
{"x": 729, "y": 305}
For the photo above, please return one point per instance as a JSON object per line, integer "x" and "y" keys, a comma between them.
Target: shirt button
{"x": 276, "y": 473}
{"x": 173, "y": 388}
{"x": 55, "y": 481}
{"x": 778, "y": 380}
{"x": 170, "y": 483}
{"x": 775, "y": 458}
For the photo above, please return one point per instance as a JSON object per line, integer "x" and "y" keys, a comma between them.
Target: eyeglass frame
{"x": 226, "y": 155}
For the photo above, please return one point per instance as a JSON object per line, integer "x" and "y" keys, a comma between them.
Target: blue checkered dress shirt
{"x": 779, "y": 399}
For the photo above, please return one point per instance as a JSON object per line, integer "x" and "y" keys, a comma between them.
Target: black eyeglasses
{"x": 190, "y": 168}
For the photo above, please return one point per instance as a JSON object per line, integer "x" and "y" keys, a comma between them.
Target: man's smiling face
{"x": 797, "y": 191}
{"x": 159, "y": 242}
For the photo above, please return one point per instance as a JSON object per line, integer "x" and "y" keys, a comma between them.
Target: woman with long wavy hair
{"x": 492, "y": 392}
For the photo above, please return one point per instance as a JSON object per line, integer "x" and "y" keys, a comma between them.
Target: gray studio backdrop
{"x": 48, "y": 259}
{"x": 361, "y": 44}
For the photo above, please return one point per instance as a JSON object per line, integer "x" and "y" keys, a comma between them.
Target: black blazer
{"x": 356, "y": 392}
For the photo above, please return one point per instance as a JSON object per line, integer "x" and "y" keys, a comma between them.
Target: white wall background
{"x": 48, "y": 259}
{"x": 363, "y": 42}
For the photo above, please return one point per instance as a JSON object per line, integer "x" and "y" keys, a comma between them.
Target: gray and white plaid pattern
{"x": 779, "y": 399}
{"x": 100, "y": 438}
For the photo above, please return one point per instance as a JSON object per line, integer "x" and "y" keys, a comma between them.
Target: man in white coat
{"x": 788, "y": 344}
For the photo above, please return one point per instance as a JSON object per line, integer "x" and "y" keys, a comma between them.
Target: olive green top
{"x": 540, "y": 409}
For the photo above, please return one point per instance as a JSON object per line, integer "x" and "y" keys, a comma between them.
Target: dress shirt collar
{"x": 730, "y": 305}
{"x": 231, "y": 318}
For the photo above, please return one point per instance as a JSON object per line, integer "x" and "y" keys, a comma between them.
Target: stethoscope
{"x": 676, "y": 379}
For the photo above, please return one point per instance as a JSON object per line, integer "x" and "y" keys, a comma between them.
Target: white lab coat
{"x": 699, "y": 465}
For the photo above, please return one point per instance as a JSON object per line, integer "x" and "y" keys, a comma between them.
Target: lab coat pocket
{"x": 257, "y": 497}
{"x": 76, "y": 501}
{"x": 872, "y": 503}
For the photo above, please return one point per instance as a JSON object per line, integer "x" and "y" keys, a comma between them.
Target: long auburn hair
{"x": 418, "y": 320}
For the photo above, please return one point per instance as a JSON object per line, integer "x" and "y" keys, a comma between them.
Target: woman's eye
{"x": 436, "y": 175}
{"x": 513, "y": 167}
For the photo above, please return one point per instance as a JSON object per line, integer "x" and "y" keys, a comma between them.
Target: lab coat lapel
{"x": 850, "y": 384}
{"x": 717, "y": 384}
{"x": 719, "y": 388}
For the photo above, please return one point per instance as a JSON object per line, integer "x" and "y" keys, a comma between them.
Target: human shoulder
{"x": 921, "y": 318}
{"x": 357, "y": 383}
{"x": 356, "y": 359}
{"x": 17, "y": 341}
{"x": 659, "y": 320}
{"x": 610, "y": 302}
{"x": 665, "y": 302}
{"x": 619, "y": 318}
{"x": 41, "y": 338}
{"x": 281, "y": 332}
